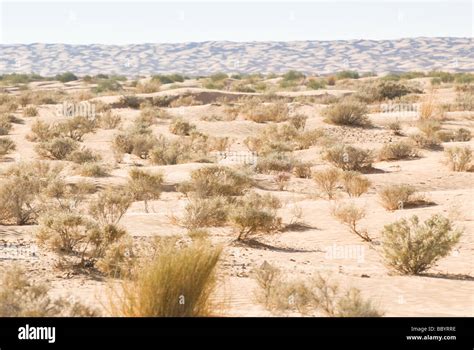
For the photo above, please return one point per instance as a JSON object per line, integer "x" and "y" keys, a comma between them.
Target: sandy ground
{"x": 447, "y": 291}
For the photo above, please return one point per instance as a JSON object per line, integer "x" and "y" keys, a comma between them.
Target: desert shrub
{"x": 84, "y": 155}
{"x": 149, "y": 86}
{"x": 255, "y": 214}
{"x": 278, "y": 293}
{"x": 275, "y": 162}
{"x": 177, "y": 282}
{"x": 185, "y": 149}
{"x": 108, "y": 120}
{"x": 106, "y": 85}
{"x": 152, "y": 113}
{"x": 206, "y": 212}
{"x": 169, "y": 78}
{"x": 349, "y": 214}
{"x": 347, "y": 74}
{"x": 5, "y": 125}
{"x": 76, "y": 127}
{"x": 298, "y": 121}
{"x": 327, "y": 181}
{"x": 397, "y": 150}
{"x": 425, "y": 142}
{"x": 181, "y": 127}
{"x": 66, "y": 77}
{"x": 348, "y": 157}
{"x": 93, "y": 170}
{"x": 110, "y": 205}
{"x": 302, "y": 170}
{"x": 118, "y": 260}
{"x": 22, "y": 297}
{"x": 459, "y": 135}
{"x": 266, "y": 112}
{"x": 396, "y": 128}
{"x": 6, "y": 146}
{"x": 382, "y": 90}
{"x": 354, "y": 183}
{"x": 184, "y": 101}
{"x": 64, "y": 232}
{"x": 30, "y": 111}
{"x": 429, "y": 127}
{"x": 395, "y": 197}
{"x": 465, "y": 101}
{"x": 18, "y": 193}
{"x": 411, "y": 247}
{"x": 144, "y": 186}
{"x": 134, "y": 142}
{"x": 41, "y": 131}
{"x": 58, "y": 148}
{"x": 458, "y": 158}
{"x": 316, "y": 84}
{"x": 347, "y": 112}
{"x": 282, "y": 179}
{"x": 217, "y": 181}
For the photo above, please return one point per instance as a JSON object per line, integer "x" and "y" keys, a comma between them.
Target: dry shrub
{"x": 425, "y": 142}
{"x": 6, "y": 146}
{"x": 118, "y": 260}
{"x": 255, "y": 214}
{"x": 76, "y": 127}
{"x": 349, "y": 214}
{"x": 19, "y": 193}
{"x": 459, "y": 135}
{"x": 458, "y": 158}
{"x": 93, "y": 170}
{"x": 110, "y": 205}
{"x": 347, "y": 112}
{"x": 136, "y": 142}
{"x": 429, "y": 109}
{"x": 302, "y": 170}
{"x": 279, "y": 294}
{"x": 395, "y": 197}
{"x": 265, "y": 112}
{"x": 411, "y": 247}
{"x": 348, "y": 157}
{"x": 327, "y": 181}
{"x": 397, "y": 150}
{"x": 429, "y": 127}
{"x": 149, "y": 86}
{"x": 298, "y": 121}
{"x": 5, "y": 125}
{"x": 84, "y": 155}
{"x": 178, "y": 282}
{"x": 41, "y": 131}
{"x": 181, "y": 127}
{"x": 30, "y": 111}
{"x": 283, "y": 138}
{"x": 185, "y": 101}
{"x": 282, "y": 179}
{"x": 206, "y": 212}
{"x": 217, "y": 181}
{"x": 21, "y": 297}
{"x": 144, "y": 186}
{"x": 354, "y": 183}
{"x": 109, "y": 120}
{"x": 57, "y": 148}
{"x": 396, "y": 128}
{"x": 186, "y": 149}
{"x": 275, "y": 162}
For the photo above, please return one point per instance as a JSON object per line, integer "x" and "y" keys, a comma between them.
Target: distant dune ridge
{"x": 202, "y": 58}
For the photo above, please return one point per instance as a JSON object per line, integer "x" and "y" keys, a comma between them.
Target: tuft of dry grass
{"x": 397, "y": 151}
{"x": 144, "y": 186}
{"x": 178, "y": 282}
{"x": 395, "y": 197}
{"x": 349, "y": 214}
{"x": 327, "y": 181}
{"x": 458, "y": 158}
{"x": 354, "y": 183}
{"x": 347, "y": 112}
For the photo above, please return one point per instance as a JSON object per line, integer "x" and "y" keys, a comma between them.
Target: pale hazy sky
{"x": 122, "y": 22}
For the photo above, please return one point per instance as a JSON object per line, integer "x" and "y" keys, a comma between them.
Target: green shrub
{"x": 66, "y": 77}
{"x": 347, "y": 74}
{"x": 411, "y": 247}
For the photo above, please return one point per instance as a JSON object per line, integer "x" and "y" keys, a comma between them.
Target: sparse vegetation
{"x": 347, "y": 112}
{"x": 458, "y": 158}
{"x": 327, "y": 181}
{"x": 395, "y": 197}
{"x": 397, "y": 151}
{"x": 411, "y": 247}
{"x": 348, "y": 157}
{"x": 349, "y": 214}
